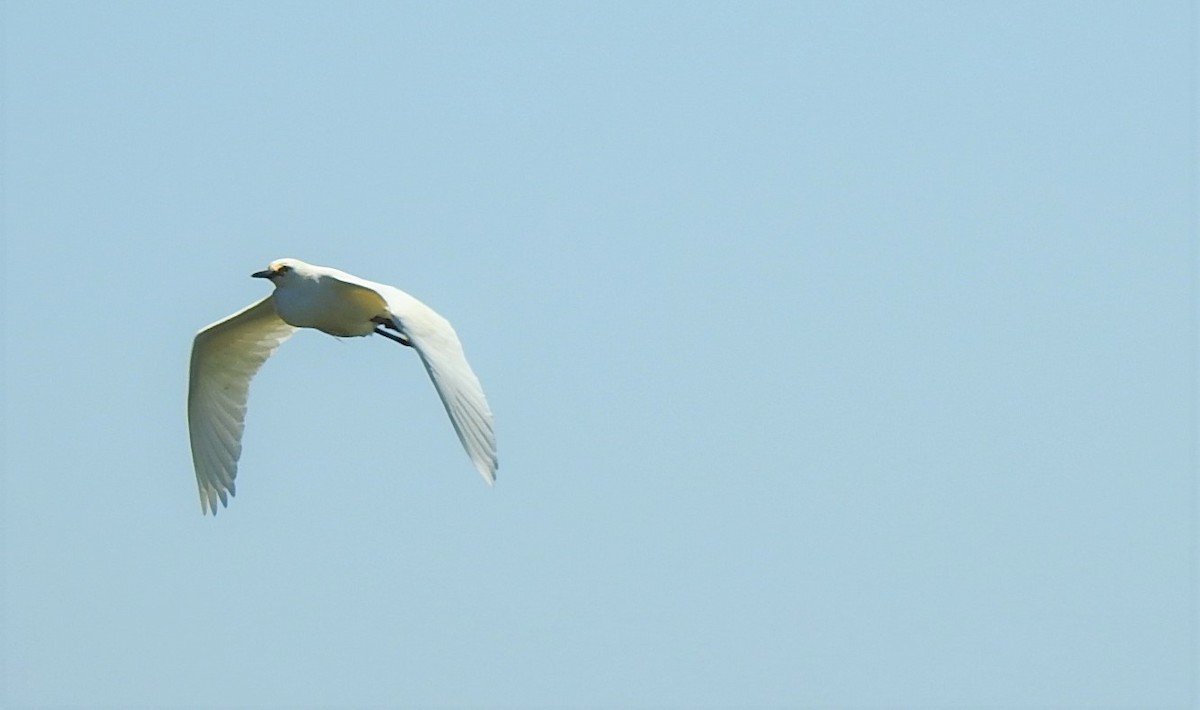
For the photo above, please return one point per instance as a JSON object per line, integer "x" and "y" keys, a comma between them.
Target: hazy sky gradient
{"x": 842, "y": 354}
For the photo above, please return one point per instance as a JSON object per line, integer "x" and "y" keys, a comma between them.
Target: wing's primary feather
{"x": 436, "y": 342}
{"x": 225, "y": 357}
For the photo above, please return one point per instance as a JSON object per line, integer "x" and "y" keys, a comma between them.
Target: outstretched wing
{"x": 225, "y": 357}
{"x": 436, "y": 342}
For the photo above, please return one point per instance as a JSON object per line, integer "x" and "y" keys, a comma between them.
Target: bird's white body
{"x": 333, "y": 302}
{"x": 227, "y": 354}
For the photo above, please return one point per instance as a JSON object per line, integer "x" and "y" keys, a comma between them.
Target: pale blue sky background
{"x": 842, "y": 354}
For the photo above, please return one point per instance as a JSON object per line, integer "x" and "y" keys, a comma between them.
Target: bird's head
{"x": 282, "y": 270}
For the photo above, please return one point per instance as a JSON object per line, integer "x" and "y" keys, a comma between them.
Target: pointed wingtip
{"x": 209, "y": 498}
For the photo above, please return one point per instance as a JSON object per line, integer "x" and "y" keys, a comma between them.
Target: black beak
{"x": 262, "y": 274}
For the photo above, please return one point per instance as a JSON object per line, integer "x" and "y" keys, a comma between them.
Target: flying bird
{"x": 227, "y": 354}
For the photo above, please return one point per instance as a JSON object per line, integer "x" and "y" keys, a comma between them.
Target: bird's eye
{"x": 283, "y": 269}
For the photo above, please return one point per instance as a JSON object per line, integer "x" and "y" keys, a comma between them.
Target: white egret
{"x": 227, "y": 354}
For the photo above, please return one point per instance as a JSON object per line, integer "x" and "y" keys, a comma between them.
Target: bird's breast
{"x": 329, "y": 309}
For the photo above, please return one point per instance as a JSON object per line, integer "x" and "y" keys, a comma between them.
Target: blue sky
{"x": 842, "y": 354}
